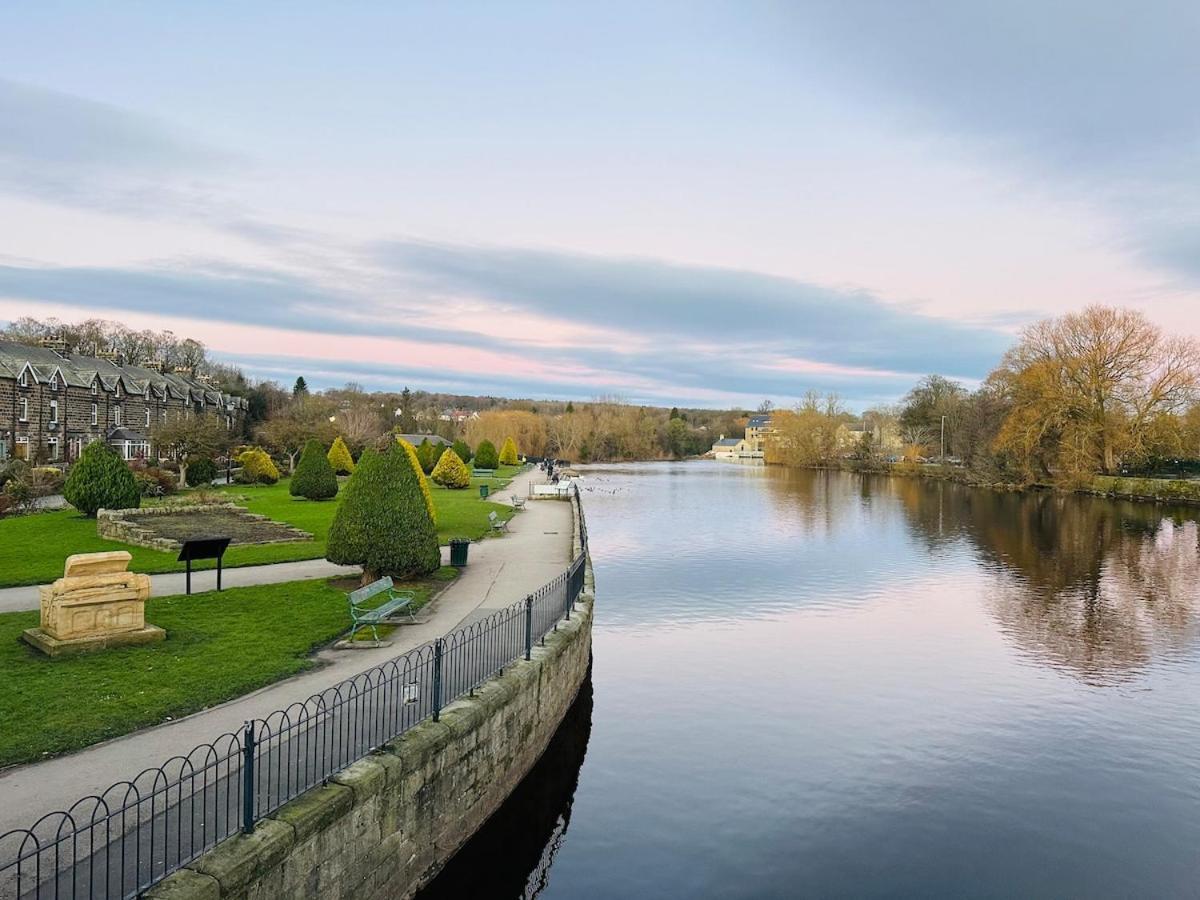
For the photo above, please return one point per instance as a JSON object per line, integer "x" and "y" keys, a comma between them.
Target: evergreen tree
{"x": 340, "y": 458}
{"x": 486, "y": 456}
{"x": 436, "y": 453}
{"x": 425, "y": 456}
{"x": 674, "y": 413}
{"x": 300, "y": 388}
{"x": 570, "y": 407}
{"x": 508, "y": 453}
{"x": 451, "y": 471}
{"x": 383, "y": 523}
{"x": 314, "y": 478}
{"x": 100, "y": 479}
{"x": 464, "y": 452}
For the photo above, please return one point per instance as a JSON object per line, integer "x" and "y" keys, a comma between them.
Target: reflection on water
{"x": 816, "y": 683}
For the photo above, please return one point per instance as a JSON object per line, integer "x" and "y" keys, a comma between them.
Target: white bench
{"x": 497, "y": 523}
{"x": 399, "y": 603}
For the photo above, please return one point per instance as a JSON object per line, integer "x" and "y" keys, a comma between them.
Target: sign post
{"x": 203, "y": 548}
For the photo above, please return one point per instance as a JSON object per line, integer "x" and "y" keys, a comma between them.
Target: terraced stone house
{"x": 53, "y": 403}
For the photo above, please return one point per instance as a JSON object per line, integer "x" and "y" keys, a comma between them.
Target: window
{"x": 53, "y": 412}
{"x": 117, "y": 416}
{"x": 54, "y": 382}
{"x": 229, "y": 422}
{"x": 136, "y": 449}
{"x": 163, "y": 416}
{"x": 118, "y": 389}
{"x": 74, "y": 448}
{"x": 22, "y": 448}
{"x": 95, "y": 413}
{"x": 95, "y": 386}
{"x": 52, "y": 449}
{"x": 147, "y": 418}
{"x": 22, "y": 409}
{"x": 23, "y": 378}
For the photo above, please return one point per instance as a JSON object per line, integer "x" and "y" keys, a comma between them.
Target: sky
{"x": 693, "y": 203}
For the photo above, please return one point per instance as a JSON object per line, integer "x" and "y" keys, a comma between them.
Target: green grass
{"x": 33, "y": 548}
{"x": 218, "y": 647}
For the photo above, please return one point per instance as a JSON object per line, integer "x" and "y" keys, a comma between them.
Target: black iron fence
{"x": 124, "y": 840}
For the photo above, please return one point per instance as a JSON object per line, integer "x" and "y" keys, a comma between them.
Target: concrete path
{"x": 18, "y": 598}
{"x": 500, "y": 571}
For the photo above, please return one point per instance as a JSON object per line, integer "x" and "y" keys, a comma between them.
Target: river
{"x": 824, "y": 684}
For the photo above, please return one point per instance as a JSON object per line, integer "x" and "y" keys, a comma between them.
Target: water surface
{"x": 823, "y": 684}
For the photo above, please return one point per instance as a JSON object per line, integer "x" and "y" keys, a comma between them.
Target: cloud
{"x": 1098, "y": 100}
{"x": 674, "y": 304}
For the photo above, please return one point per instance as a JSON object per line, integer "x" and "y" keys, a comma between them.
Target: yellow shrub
{"x": 451, "y": 471}
{"x": 257, "y": 467}
{"x": 508, "y": 453}
{"x": 424, "y": 482}
{"x": 340, "y": 458}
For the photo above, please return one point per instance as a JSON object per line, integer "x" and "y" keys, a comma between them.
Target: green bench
{"x": 483, "y": 473}
{"x": 399, "y": 603}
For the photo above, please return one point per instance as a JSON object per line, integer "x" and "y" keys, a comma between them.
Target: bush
{"x": 101, "y": 480}
{"x": 200, "y": 471}
{"x": 464, "y": 452}
{"x": 155, "y": 482}
{"x": 383, "y": 523}
{"x": 451, "y": 471}
{"x": 508, "y": 453}
{"x": 412, "y": 458}
{"x": 340, "y": 458}
{"x": 46, "y": 480}
{"x": 257, "y": 468}
{"x": 438, "y": 450}
{"x": 425, "y": 456}
{"x": 314, "y": 478}
{"x": 486, "y": 456}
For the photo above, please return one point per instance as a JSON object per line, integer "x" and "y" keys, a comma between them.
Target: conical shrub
{"x": 464, "y": 452}
{"x": 314, "y": 478}
{"x": 100, "y": 479}
{"x": 508, "y": 453}
{"x": 425, "y": 456}
{"x": 451, "y": 471}
{"x": 340, "y": 458}
{"x": 383, "y": 523}
{"x": 486, "y": 456}
{"x": 412, "y": 458}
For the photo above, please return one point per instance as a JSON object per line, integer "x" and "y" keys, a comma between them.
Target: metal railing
{"x": 126, "y": 839}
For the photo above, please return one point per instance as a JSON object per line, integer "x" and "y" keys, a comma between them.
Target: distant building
{"x": 758, "y": 432}
{"x": 54, "y": 403}
{"x": 415, "y": 439}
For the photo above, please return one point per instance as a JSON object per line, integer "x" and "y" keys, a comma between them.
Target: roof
{"x": 759, "y": 422}
{"x": 81, "y": 371}
{"x": 728, "y": 442}
{"x": 125, "y": 434}
{"x": 416, "y": 439}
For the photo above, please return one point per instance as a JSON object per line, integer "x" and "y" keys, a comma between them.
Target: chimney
{"x": 111, "y": 355}
{"x": 156, "y": 365}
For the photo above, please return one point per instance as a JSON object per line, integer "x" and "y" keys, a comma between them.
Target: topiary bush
{"x": 340, "y": 458}
{"x": 257, "y": 467}
{"x": 412, "y": 458}
{"x": 464, "y": 452}
{"x": 200, "y": 471}
{"x": 383, "y": 523}
{"x": 486, "y": 456}
{"x": 425, "y": 456}
{"x": 314, "y": 478}
{"x": 438, "y": 450}
{"x": 451, "y": 471}
{"x": 101, "y": 480}
{"x": 508, "y": 453}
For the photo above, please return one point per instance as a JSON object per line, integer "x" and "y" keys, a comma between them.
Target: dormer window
{"x": 54, "y": 382}
{"x": 23, "y": 378}
{"x": 95, "y": 386}
{"x": 118, "y": 390}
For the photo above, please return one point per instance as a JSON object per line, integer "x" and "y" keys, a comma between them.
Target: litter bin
{"x": 483, "y": 491}
{"x": 458, "y": 551}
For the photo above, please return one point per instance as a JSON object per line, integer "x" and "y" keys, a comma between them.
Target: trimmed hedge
{"x": 257, "y": 467}
{"x": 340, "y": 458}
{"x": 314, "y": 478}
{"x": 508, "y": 453}
{"x": 383, "y": 523}
{"x": 464, "y": 452}
{"x": 100, "y": 479}
{"x": 451, "y": 471}
{"x": 416, "y": 464}
{"x": 486, "y": 456}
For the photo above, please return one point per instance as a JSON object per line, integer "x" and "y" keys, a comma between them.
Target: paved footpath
{"x": 499, "y": 572}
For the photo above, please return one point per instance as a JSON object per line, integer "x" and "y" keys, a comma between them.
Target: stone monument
{"x": 95, "y": 605}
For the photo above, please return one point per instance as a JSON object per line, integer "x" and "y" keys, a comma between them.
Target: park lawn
{"x": 34, "y": 548}
{"x": 218, "y": 647}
